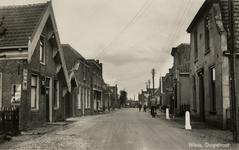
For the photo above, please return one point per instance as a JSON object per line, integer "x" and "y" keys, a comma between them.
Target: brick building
{"x": 78, "y": 101}
{"x": 33, "y": 74}
{"x": 108, "y": 97}
{"x": 97, "y": 84}
{"x": 181, "y": 80}
{"x": 167, "y": 95}
{"x": 209, "y": 70}
{"x": 115, "y": 99}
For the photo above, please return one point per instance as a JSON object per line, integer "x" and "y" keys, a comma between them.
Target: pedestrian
{"x": 140, "y": 107}
{"x": 144, "y": 108}
{"x": 153, "y": 106}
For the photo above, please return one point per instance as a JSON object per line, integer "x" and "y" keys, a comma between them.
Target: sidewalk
{"x": 181, "y": 121}
{"x": 201, "y": 129}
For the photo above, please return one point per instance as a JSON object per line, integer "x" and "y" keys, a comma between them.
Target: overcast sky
{"x": 130, "y": 37}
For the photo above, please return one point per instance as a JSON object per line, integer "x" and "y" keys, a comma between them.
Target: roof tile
{"x": 20, "y": 22}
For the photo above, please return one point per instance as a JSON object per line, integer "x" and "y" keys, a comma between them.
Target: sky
{"x": 129, "y": 37}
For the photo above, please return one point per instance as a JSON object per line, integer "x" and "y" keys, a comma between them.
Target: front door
{"x": 48, "y": 100}
{"x": 47, "y": 105}
{"x": 201, "y": 97}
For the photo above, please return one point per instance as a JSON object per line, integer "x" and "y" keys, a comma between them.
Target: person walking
{"x": 153, "y": 106}
{"x": 140, "y": 107}
{"x": 144, "y": 108}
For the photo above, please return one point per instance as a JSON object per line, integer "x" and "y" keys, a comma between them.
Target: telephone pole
{"x": 153, "y": 73}
{"x": 233, "y": 71}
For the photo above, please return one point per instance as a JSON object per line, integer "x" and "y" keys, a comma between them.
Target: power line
{"x": 91, "y": 14}
{"x": 126, "y": 28}
{"x": 184, "y": 15}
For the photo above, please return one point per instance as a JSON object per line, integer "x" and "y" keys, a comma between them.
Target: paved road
{"x": 125, "y": 129}
{"x": 129, "y": 129}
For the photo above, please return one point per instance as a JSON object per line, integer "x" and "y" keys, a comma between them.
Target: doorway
{"x": 201, "y": 97}
{"x": 48, "y": 100}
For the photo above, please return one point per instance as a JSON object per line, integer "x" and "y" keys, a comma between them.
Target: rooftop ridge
{"x": 21, "y": 6}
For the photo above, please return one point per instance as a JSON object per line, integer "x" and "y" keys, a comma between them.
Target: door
{"x": 48, "y": 100}
{"x": 47, "y": 105}
{"x": 201, "y": 97}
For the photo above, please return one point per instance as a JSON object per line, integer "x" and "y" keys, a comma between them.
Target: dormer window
{"x": 42, "y": 49}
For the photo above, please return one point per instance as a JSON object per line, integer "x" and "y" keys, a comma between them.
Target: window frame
{"x": 37, "y": 92}
{"x": 79, "y": 98}
{"x": 207, "y": 25}
{"x": 195, "y": 45}
{"x": 42, "y": 55}
{"x": 88, "y": 98}
{"x": 213, "y": 88}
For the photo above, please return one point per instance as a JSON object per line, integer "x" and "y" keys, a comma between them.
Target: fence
{"x": 184, "y": 108}
{"x": 9, "y": 120}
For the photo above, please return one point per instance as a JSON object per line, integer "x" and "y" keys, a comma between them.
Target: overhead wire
{"x": 183, "y": 19}
{"x": 91, "y": 14}
{"x": 133, "y": 20}
{"x": 173, "y": 28}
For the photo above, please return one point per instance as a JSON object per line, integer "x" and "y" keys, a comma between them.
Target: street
{"x": 125, "y": 129}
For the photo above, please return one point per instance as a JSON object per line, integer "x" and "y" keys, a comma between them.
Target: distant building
{"x": 167, "y": 96}
{"x": 181, "y": 79}
{"x": 78, "y": 101}
{"x": 97, "y": 84}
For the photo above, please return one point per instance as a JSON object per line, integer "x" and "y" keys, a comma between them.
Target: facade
{"x": 115, "y": 102}
{"x": 143, "y": 97}
{"x": 79, "y": 99}
{"x": 167, "y": 96}
{"x": 107, "y": 97}
{"x": 181, "y": 80}
{"x": 97, "y": 85}
{"x": 33, "y": 73}
{"x": 209, "y": 70}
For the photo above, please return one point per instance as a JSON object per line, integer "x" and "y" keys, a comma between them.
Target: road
{"x": 125, "y": 129}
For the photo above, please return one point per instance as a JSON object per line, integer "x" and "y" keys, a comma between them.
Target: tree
{"x": 123, "y": 97}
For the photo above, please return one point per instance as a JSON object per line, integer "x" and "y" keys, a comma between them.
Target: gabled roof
{"x": 183, "y": 51}
{"x": 20, "y": 22}
{"x": 204, "y": 7}
{"x": 71, "y": 56}
{"x": 24, "y": 26}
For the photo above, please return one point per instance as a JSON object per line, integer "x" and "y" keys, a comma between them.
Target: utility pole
{"x": 233, "y": 72}
{"x": 149, "y": 84}
{"x": 153, "y": 73}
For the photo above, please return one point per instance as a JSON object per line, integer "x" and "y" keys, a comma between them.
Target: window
{"x": 82, "y": 96}
{"x": 79, "y": 98}
{"x": 213, "y": 88}
{"x": 48, "y": 83}
{"x": 207, "y": 32}
{"x": 88, "y": 98}
{"x": 34, "y": 91}
{"x": 56, "y": 94}
{"x": 85, "y": 101}
{"x": 42, "y": 49}
{"x": 0, "y": 90}
{"x": 195, "y": 45}
{"x": 194, "y": 93}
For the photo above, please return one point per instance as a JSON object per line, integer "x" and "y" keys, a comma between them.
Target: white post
{"x": 167, "y": 114}
{"x": 187, "y": 121}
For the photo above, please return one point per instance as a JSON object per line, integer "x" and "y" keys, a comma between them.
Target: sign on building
{"x": 16, "y": 94}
